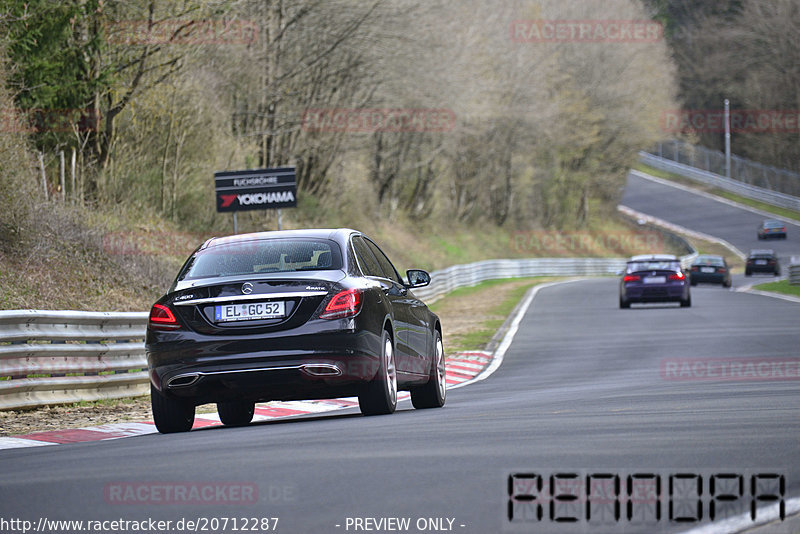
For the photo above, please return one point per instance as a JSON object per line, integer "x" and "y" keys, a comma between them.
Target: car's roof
{"x": 653, "y": 257}
{"x": 336, "y": 234}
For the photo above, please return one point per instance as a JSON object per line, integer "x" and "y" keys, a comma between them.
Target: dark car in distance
{"x": 711, "y": 269}
{"x": 762, "y": 261}
{"x": 290, "y": 315}
{"x": 772, "y": 229}
{"x": 654, "y": 278}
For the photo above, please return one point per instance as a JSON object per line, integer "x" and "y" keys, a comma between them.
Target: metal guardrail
{"x": 742, "y": 169}
{"x": 56, "y": 357}
{"x": 716, "y": 180}
{"x": 471, "y": 274}
{"x": 794, "y": 271}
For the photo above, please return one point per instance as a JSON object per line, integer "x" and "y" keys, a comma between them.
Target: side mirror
{"x": 417, "y": 278}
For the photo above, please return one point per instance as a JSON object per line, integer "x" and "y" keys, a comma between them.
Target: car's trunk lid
{"x": 253, "y": 305}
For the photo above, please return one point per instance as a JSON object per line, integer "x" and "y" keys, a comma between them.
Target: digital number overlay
{"x": 641, "y": 497}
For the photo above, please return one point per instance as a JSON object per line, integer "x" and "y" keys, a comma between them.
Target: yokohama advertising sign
{"x": 256, "y": 189}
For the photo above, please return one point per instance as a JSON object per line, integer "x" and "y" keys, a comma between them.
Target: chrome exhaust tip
{"x": 321, "y": 369}
{"x": 182, "y": 381}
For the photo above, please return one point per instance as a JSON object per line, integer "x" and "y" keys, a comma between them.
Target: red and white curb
{"x": 460, "y": 369}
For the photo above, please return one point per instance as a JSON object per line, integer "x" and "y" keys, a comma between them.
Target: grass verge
{"x": 782, "y": 286}
{"x": 472, "y": 315}
{"x": 763, "y": 206}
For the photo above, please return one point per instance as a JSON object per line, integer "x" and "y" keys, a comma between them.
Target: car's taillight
{"x": 346, "y": 303}
{"x": 631, "y": 278}
{"x": 162, "y": 317}
{"x": 694, "y": 268}
{"x": 722, "y": 270}
{"x": 677, "y": 276}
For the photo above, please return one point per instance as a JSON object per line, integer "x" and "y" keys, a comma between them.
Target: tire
{"x": 777, "y": 273}
{"x": 686, "y": 303}
{"x": 434, "y": 393}
{"x": 171, "y": 415}
{"x": 694, "y": 283}
{"x": 748, "y": 273}
{"x": 623, "y": 304}
{"x": 236, "y": 413}
{"x": 380, "y": 395}
{"x": 727, "y": 284}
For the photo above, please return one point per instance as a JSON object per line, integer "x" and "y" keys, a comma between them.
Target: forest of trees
{"x": 743, "y": 50}
{"x": 153, "y": 96}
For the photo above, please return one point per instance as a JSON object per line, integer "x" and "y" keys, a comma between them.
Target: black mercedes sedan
{"x": 291, "y": 315}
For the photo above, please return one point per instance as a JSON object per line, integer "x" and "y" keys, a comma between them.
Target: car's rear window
{"x": 635, "y": 266}
{"x": 263, "y": 256}
{"x": 773, "y": 224}
{"x": 709, "y": 261}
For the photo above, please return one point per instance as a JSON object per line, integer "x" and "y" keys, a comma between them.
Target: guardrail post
{"x": 794, "y": 271}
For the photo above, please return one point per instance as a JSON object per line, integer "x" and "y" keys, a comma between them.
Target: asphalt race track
{"x": 734, "y": 225}
{"x": 585, "y": 388}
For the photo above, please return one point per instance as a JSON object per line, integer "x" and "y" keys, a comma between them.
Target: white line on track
{"x": 745, "y": 522}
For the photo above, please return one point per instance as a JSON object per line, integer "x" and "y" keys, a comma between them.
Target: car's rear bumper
{"x": 210, "y": 369}
{"x": 762, "y": 268}
{"x": 660, "y": 293}
{"x": 707, "y": 278}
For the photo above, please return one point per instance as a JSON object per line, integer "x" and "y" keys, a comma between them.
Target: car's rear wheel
{"x": 236, "y": 413}
{"x": 687, "y": 302}
{"x": 380, "y": 395}
{"x": 624, "y": 304}
{"x": 169, "y": 414}
{"x": 748, "y": 272}
{"x": 727, "y": 283}
{"x": 434, "y": 393}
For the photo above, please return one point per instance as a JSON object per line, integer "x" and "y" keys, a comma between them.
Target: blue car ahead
{"x": 654, "y": 278}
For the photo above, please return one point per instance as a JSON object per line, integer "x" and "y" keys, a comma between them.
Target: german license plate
{"x": 655, "y": 280}
{"x": 707, "y": 270}
{"x": 249, "y": 312}
{"x": 761, "y": 262}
